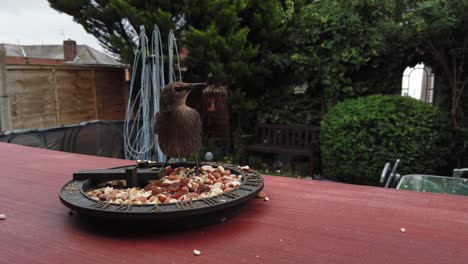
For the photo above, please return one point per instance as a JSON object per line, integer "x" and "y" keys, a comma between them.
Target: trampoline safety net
{"x": 97, "y": 138}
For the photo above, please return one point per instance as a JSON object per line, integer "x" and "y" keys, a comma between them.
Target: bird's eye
{"x": 179, "y": 89}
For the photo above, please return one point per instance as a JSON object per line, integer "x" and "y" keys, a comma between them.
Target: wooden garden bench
{"x": 293, "y": 140}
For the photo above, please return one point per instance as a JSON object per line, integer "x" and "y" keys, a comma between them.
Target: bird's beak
{"x": 194, "y": 86}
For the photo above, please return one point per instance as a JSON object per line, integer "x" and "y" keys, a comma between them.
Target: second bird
{"x": 179, "y": 127}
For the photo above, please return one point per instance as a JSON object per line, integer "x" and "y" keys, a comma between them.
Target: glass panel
{"x": 437, "y": 184}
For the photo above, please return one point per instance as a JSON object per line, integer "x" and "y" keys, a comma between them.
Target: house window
{"x": 418, "y": 83}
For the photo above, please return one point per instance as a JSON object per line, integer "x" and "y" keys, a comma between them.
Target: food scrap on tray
{"x": 179, "y": 184}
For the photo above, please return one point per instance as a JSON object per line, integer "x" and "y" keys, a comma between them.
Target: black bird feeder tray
{"x": 215, "y": 208}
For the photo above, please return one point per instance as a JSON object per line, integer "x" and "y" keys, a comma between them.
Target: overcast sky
{"x": 33, "y": 22}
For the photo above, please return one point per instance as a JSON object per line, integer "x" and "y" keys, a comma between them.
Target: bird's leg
{"x": 197, "y": 166}
{"x": 162, "y": 171}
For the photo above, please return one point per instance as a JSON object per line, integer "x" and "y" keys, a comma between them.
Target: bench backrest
{"x": 293, "y": 136}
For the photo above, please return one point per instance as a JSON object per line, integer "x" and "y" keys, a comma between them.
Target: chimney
{"x": 69, "y": 50}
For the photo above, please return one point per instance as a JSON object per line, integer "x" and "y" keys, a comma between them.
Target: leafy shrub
{"x": 359, "y": 136}
{"x": 289, "y": 109}
{"x": 209, "y": 145}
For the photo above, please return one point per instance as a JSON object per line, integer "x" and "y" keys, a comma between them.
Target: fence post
{"x": 5, "y": 111}
{"x": 53, "y": 83}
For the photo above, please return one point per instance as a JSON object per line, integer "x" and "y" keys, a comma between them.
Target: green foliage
{"x": 256, "y": 162}
{"x": 259, "y": 48}
{"x": 269, "y": 21}
{"x": 439, "y": 27}
{"x": 271, "y": 166}
{"x": 291, "y": 109}
{"x": 211, "y": 30}
{"x": 115, "y": 23}
{"x": 209, "y": 145}
{"x": 343, "y": 47}
{"x": 238, "y": 145}
{"x": 242, "y": 108}
{"x": 217, "y": 42}
{"x": 360, "y": 135}
{"x": 240, "y": 102}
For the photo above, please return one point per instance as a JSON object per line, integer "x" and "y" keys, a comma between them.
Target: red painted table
{"x": 304, "y": 222}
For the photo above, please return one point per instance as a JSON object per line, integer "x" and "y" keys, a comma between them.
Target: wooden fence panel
{"x": 40, "y": 120}
{"x": 110, "y": 94}
{"x": 50, "y": 96}
{"x": 5, "y": 112}
{"x": 75, "y": 96}
{"x": 32, "y": 100}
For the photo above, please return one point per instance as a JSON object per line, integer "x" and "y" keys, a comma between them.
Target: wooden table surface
{"x": 304, "y": 222}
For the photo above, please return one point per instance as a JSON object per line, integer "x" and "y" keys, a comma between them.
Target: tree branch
{"x": 125, "y": 35}
{"x": 462, "y": 61}
{"x": 442, "y": 61}
{"x": 460, "y": 93}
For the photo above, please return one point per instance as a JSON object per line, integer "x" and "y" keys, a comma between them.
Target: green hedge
{"x": 359, "y": 136}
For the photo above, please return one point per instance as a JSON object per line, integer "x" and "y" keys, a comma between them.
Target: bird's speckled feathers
{"x": 179, "y": 127}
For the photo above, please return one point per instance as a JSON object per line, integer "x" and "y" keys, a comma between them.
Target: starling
{"x": 179, "y": 127}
